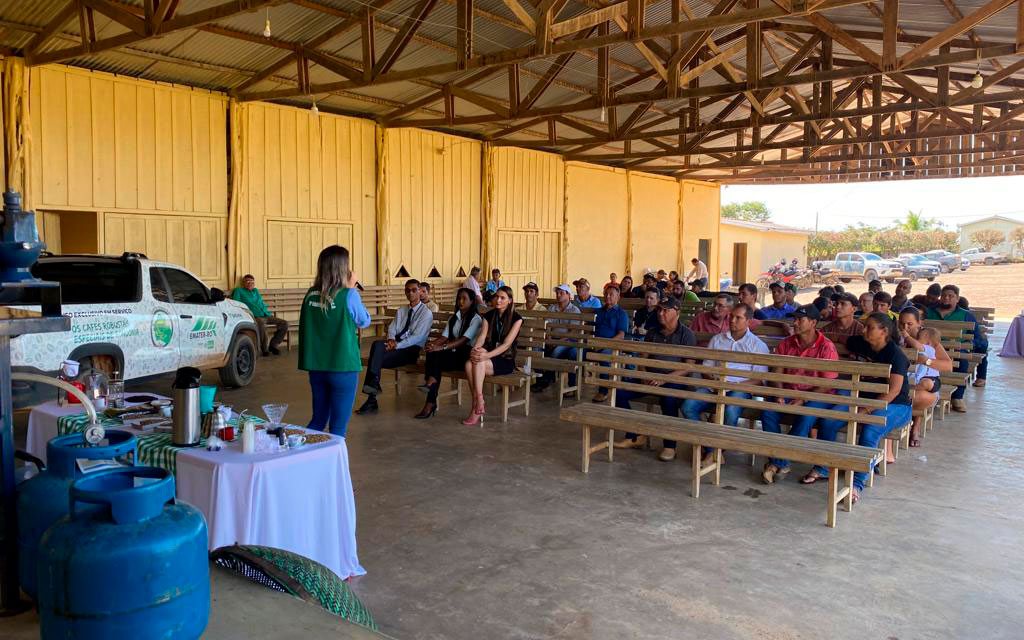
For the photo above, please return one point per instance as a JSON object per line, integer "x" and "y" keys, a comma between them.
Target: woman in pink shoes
{"x": 494, "y": 349}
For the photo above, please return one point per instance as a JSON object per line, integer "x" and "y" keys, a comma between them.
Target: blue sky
{"x": 952, "y": 202}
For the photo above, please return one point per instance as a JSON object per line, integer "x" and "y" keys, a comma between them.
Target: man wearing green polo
{"x": 250, "y": 296}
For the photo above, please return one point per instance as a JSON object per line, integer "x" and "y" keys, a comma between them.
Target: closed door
{"x": 739, "y": 262}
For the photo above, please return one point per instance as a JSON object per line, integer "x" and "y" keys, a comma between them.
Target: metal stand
{"x": 14, "y": 322}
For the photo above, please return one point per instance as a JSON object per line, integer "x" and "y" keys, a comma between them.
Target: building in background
{"x": 996, "y": 223}
{"x": 748, "y": 249}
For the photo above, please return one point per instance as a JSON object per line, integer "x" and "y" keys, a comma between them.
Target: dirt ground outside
{"x": 1000, "y": 286}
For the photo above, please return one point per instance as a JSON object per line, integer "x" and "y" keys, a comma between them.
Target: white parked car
{"x": 976, "y": 256}
{"x": 139, "y": 317}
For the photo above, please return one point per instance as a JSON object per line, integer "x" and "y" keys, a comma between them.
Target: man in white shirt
{"x": 407, "y": 334}
{"x": 738, "y": 338}
{"x": 563, "y": 304}
{"x": 473, "y": 284}
{"x": 699, "y": 273}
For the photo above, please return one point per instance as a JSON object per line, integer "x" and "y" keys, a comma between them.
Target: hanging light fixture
{"x": 266, "y": 25}
{"x": 978, "y": 80}
{"x": 604, "y": 113}
{"x": 315, "y": 111}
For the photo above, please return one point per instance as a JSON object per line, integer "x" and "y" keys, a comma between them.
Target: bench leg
{"x": 398, "y": 385}
{"x": 719, "y": 455}
{"x": 695, "y": 472}
{"x": 563, "y": 377}
{"x": 457, "y": 383}
{"x": 504, "y": 403}
{"x": 833, "y": 485}
{"x": 526, "y": 398}
{"x": 586, "y": 448}
{"x": 611, "y": 444}
{"x": 848, "y": 489}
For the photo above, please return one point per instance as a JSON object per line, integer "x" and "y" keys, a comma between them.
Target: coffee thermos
{"x": 186, "y": 426}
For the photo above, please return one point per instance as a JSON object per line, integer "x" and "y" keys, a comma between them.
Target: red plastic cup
{"x": 74, "y": 399}
{"x": 227, "y": 434}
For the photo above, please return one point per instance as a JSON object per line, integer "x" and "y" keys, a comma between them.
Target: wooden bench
{"x": 563, "y": 330}
{"x": 958, "y": 340}
{"x": 848, "y": 457}
{"x": 530, "y": 337}
{"x": 286, "y": 304}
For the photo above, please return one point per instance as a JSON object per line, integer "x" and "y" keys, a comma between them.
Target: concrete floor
{"x": 494, "y": 532}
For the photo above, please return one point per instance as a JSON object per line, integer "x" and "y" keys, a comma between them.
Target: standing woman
{"x": 450, "y": 351}
{"x": 494, "y": 350}
{"x": 331, "y": 314}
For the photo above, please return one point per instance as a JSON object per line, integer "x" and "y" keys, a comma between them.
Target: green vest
{"x": 328, "y": 341}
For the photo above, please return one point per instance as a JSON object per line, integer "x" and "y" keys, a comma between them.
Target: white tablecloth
{"x": 300, "y": 500}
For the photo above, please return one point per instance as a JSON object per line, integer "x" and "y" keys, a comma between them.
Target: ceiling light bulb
{"x": 266, "y": 29}
{"x": 315, "y": 111}
{"x": 977, "y": 81}
{"x": 604, "y": 113}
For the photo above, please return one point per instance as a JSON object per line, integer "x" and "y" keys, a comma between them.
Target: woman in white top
{"x": 450, "y": 351}
{"x": 931, "y": 361}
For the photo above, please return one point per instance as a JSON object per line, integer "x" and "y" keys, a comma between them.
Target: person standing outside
{"x": 699, "y": 273}
{"x": 250, "y": 296}
{"x": 331, "y": 314}
{"x": 611, "y": 322}
{"x": 473, "y": 284}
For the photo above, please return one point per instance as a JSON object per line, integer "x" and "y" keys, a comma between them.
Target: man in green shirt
{"x": 250, "y": 296}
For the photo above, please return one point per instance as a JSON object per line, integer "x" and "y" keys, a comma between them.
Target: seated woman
{"x": 494, "y": 350}
{"x": 932, "y": 359}
{"x": 645, "y": 318}
{"x": 450, "y": 351}
{"x": 626, "y": 286}
{"x": 878, "y": 344}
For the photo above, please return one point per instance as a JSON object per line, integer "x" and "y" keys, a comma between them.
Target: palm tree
{"x": 916, "y": 221}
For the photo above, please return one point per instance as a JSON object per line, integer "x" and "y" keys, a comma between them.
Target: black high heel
{"x": 427, "y": 415}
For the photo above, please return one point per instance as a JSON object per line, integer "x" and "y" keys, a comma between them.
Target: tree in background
{"x": 988, "y": 238}
{"x": 752, "y": 211}
{"x": 1017, "y": 238}
{"x": 887, "y": 242}
{"x": 915, "y": 221}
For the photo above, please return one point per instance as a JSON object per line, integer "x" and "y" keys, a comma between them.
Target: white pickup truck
{"x": 866, "y": 266}
{"x": 979, "y": 256}
{"x": 138, "y": 317}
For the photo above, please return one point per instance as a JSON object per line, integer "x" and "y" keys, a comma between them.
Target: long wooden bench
{"x": 848, "y": 457}
{"x": 530, "y": 337}
{"x": 563, "y": 330}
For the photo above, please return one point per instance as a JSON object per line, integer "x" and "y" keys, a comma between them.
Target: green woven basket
{"x": 296, "y": 575}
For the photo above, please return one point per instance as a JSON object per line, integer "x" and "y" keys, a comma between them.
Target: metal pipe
{"x": 56, "y": 382}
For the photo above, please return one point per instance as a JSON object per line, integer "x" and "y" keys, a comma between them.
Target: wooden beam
{"x": 52, "y": 27}
{"x": 369, "y": 43}
{"x": 405, "y": 34}
{"x": 119, "y": 15}
{"x": 960, "y": 26}
{"x": 753, "y": 49}
{"x": 513, "y": 88}
{"x": 547, "y": 10}
{"x": 464, "y": 31}
{"x": 481, "y": 101}
{"x": 549, "y": 76}
{"x": 333, "y": 65}
{"x": 838, "y": 34}
{"x": 521, "y": 14}
{"x": 160, "y": 13}
{"x": 890, "y": 25}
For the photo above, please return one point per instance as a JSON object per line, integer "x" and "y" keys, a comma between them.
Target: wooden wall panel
{"x": 194, "y": 242}
{"x": 110, "y": 143}
{"x": 701, "y": 204}
{"x": 434, "y": 202}
{"x": 596, "y": 222}
{"x": 311, "y": 179}
{"x": 655, "y": 223}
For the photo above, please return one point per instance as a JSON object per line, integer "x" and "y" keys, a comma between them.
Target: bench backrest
{"x": 623, "y": 353}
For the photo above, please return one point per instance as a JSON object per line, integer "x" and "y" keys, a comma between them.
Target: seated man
{"x": 407, "y": 334}
{"x": 929, "y": 299}
{"x": 680, "y": 293}
{"x": 779, "y": 308}
{"x": 717, "y": 320}
{"x": 901, "y": 299}
{"x": 473, "y": 284}
{"x": 425, "y": 297}
{"x": 250, "y": 296}
{"x": 867, "y": 305}
{"x": 699, "y": 273}
{"x": 843, "y": 323}
{"x": 875, "y": 286}
{"x": 491, "y": 286}
{"x": 611, "y": 322}
{"x": 583, "y": 299}
{"x": 882, "y": 303}
{"x": 530, "y": 293}
{"x": 807, "y": 342}
{"x": 824, "y": 307}
{"x": 671, "y": 332}
{"x": 613, "y": 278}
{"x": 649, "y": 283}
{"x": 699, "y": 289}
{"x": 748, "y": 296}
{"x": 949, "y": 309}
{"x": 563, "y": 304}
{"x": 740, "y": 338}
{"x": 790, "y": 290}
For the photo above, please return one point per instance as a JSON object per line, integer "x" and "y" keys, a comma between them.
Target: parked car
{"x": 868, "y": 266}
{"x": 915, "y": 266}
{"x": 139, "y": 317}
{"x": 977, "y": 256}
{"x": 949, "y": 261}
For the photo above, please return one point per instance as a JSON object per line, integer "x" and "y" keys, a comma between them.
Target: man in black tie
{"x": 407, "y": 334}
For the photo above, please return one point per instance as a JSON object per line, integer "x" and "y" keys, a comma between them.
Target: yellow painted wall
{"x": 764, "y": 248}
{"x": 140, "y": 158}
{"x": 701, "y": 206}
{"x": 596, "y": 215}
{"x": 311, "y": 182}
{"x": 527, "y": 211}
{"x": 434, "y": 203}
{"x": 655, "y": 222}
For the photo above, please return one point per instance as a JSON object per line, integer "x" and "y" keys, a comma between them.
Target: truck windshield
{"x": 91, "y": 282}
{"x": 871, "y": 256}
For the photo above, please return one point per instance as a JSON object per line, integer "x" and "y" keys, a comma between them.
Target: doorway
{"x": 739, "y": 262}
{"x": 704, "y": 251}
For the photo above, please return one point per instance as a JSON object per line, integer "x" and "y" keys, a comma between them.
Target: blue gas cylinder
{"x": 135, "y": 568}
{"x": 43, "y": 499}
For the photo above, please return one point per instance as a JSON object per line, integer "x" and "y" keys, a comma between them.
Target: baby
{"x": 925, "y": 377}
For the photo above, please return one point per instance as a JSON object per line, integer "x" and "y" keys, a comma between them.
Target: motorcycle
{"x": 800, "y": 278}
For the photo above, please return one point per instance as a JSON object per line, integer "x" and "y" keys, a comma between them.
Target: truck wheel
{"x": 989, "y": 261}
{"x": 913, "y": 276}
{"x": 870, "y": 275}
{"x": 241, "y": 366}
{"x": 845, "y": 280}
{"x": 932, "y": 279}
{"x": 102, "y": 363}
{"x": 945, "y": 268}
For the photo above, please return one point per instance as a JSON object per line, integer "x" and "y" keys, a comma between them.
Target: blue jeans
{"x": 802, "y": 425}
{"x": 961, "y": 367}
{"x": 870, "y": 434}
{"x": 333, "y": 397}
{"x": 669, "y": 406}
{"x": 693, "y": 408}
{"x": 560, "y": 352}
